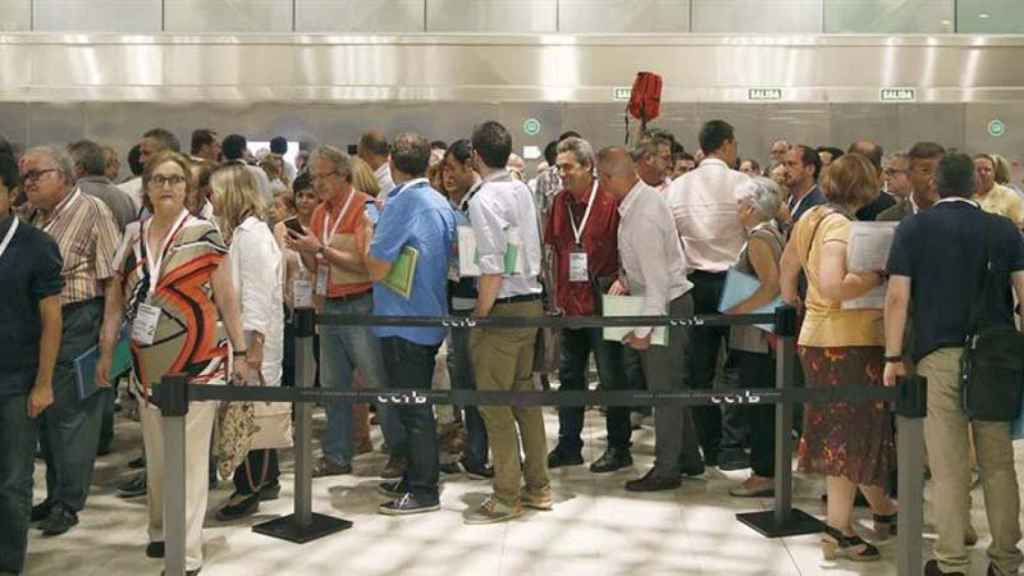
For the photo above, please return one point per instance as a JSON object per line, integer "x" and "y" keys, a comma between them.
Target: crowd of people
{"x": 198, "y": 262}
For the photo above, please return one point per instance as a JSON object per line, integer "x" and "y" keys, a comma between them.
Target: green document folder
{"x": 403, "y": 271}
{"x": 85, "y": 366}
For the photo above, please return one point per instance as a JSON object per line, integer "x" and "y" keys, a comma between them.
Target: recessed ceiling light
{"x": 984, "y": 15}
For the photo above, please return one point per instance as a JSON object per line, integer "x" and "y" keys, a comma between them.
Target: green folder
{"x": 403, "y": 272}
{"x": 85, "y": 366}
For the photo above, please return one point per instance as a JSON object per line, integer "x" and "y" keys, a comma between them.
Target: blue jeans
{"x": 577, "y": 345}
{"x": 17, "y": 449}
{"x": 411, "y": 365}
{"x": 342, "y": 350}
{"x": 460, "y": 370}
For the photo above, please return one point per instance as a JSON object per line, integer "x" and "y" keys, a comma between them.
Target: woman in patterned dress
{"x": 850, "y": 443}
{"x": 174, "y": 292}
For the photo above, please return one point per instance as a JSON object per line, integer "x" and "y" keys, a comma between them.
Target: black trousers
{"x": 758, "y": 371}
{"x": 261, "y": 468}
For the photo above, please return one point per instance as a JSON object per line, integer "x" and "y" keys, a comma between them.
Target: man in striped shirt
{"x": 87, "y": 236}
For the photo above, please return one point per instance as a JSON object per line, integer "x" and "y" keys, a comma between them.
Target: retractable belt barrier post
{"x": 907, "y": 398}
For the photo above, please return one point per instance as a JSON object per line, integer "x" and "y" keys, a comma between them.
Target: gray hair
{"x": 90, "y": 156}
{"x": 580, "y": 148}
{"x": 763, "y": 194}
{"x": 648, "y": 143}
{"x": 342, "y": 162}
{"x": 902, "y": 156}
{"x": 59, "y": 157}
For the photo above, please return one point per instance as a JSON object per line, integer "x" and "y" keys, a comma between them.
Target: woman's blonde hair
{"x": 234, "y": 191}
{"x": 850, "y": 180}
{"x": 363, "y": 178}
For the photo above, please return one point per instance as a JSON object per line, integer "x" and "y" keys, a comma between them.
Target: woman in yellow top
{"x": 851, "y": 444}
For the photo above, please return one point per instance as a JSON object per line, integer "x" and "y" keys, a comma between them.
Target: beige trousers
{"x": 198, "y": 427}
{"x": 946, "y": 434}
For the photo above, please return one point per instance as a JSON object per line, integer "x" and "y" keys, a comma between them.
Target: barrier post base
{"x": 798, "y": 523}
{"x": 288, "y": 528}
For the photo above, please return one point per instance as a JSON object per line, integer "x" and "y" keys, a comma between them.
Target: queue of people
{"x": 200, "y": 266}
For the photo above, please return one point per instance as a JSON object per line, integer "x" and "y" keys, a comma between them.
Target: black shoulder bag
{"x": 992, "y": 365}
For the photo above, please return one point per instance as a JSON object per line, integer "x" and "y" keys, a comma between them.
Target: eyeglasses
{"x": 35, "y": 175}
{"x": 315, "y": 178}
{"x": 160, "y": 180}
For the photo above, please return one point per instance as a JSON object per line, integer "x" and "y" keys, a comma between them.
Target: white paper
{"x": 868, "y": 249}
{"x": 613, "y": 306}
{"x": 873, "y": 300}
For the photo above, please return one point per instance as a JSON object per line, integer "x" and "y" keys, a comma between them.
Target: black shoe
{"x": 407, "y": 504}
{"x": 393, "y": 489}
{"x": 477, "y": 472}
{"x": 187, "y": 572}
{"x": 155, "y": 550}
{"x": 138, "y": 463}
{"x": 653, "y": 483}
{"x": 557, "y": 459}
{"x": 103, "y": 450}
{"x": 931, "y": 568}
{"x": 270, "y": 492}
{"x": 60, "y": 520}
{"x": 613, "y": 459}
{"x": 135, "y": 486}
{"x": 239, "y": 506}
{"x": 733, "y": 460}
{"x": 327, "y": 467}
{"x": 395, "y": 468}
{"x": 692, "y": 471}
{"x": 41, "y": 511}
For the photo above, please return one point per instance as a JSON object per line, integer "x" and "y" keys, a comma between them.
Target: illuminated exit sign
{"x": 764, "y": 94}
{"x": 898, "y": 95}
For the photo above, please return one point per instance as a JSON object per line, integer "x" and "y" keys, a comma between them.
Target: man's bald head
{"x": 616, "y": 171}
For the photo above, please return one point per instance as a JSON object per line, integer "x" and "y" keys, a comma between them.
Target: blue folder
{"x": 738, "y": 287}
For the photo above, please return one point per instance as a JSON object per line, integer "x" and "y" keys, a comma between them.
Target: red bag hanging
{"x": 644, "y": 100}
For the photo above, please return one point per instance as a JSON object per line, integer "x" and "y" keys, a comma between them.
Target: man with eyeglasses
{"x": 335, "y": 253}
{"x": 922, "y": 162}
{"x": 896, "y": 175}
{"x": 88, "y": 237}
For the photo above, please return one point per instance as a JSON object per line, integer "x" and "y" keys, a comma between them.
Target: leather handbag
{"x": 992, "y": 365}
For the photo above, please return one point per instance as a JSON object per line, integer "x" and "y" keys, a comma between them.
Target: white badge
{"x": 144, "y": 327}
{"x": 302, "y": 293}
{"x": 321, "y": 278}
{"x": 578, "y": 266}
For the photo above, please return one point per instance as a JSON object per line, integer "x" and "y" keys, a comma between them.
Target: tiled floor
{"x": 596, "y": 529}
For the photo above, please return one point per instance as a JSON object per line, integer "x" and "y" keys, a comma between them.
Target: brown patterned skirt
{"x": 848, "y": 440}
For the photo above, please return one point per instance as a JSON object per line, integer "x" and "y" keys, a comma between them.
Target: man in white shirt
{"x": 375, "y": 151}
{"x": 279, "y": 148}
{"x": 502, "y": 215}
{"x": 152, "y": 143}
{"x": 704, "y": 207}
{"x": 654, "y": 267}
{"x": 655, "y": 165}
{"x": 234, "y": 149}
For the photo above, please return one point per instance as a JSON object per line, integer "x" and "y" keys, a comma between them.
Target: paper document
{"x": 469, "y": 255}
{"x": 868, "y": 249}
{"x": 740, "y": 286}
{"x": 613, "y": 306}
{"x": 403, "y": 272}
{"x": 85, "y": 366}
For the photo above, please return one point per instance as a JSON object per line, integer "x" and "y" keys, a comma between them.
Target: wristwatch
{"x": 893, "y": 359}
{"x": 239, "y": 353}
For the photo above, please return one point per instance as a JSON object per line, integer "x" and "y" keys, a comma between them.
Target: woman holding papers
{"x": 850, "y": 443}
{"x": 173, "y": 288}
{"x": 759, "y": 201}
{"x": 256, "y": 271}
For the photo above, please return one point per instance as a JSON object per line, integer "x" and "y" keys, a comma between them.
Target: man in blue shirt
{"x": 416, "y": 229}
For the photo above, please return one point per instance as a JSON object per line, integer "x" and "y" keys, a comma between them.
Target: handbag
{"x": 273, "y": 424}
{"x": 992, "y": 364}
{"x": 233, "y": 434}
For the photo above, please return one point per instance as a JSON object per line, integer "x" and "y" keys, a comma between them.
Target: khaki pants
{"x": 503, "y": 360}
{"x": 946, "y": 435}
{"x": 198, "y": 427}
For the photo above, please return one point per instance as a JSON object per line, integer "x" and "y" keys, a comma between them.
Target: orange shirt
{"x": 350, "y": 234}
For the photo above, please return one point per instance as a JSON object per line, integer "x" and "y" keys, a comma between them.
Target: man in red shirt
{"x": 581, "y": 231}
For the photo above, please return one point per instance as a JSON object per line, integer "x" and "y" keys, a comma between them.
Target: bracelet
{"x": 239, "y": 353}
{"x": 889, "y": 359}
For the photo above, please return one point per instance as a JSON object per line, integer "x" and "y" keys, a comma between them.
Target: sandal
{"x": 836, "y": 545}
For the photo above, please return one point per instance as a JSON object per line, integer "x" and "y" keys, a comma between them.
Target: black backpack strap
{"x": 984, "y": 286}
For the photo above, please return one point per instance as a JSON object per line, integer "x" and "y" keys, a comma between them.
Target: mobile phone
{"x": 353, "y": 149}
{"x": 293, "y": 225}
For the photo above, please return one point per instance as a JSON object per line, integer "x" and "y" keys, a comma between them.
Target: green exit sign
{"x": 764, "y": 94}
{"x": 898, "y": 95}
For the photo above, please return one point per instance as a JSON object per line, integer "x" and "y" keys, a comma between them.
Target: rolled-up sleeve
{"x": 489, "y": 230}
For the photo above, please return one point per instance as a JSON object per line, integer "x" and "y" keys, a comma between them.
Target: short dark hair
{"x": 439, "y": 145}
{"x": 9, "y": 175}
{"x": 677, "y": 150}
{"x": 279, "y": 145}
{"x": 461, "y": 150}
{"x": 870, "y": 150}
{"x": 302, "y": 182}
{"x": 89, "y": 155}
{"x": 167, "y": 140}
{"x": 926, "y": 151}
{"x": 234, "y": 147}
{"x": 135, "y": 160}
{"x": 715, "y": 134}
{"x": 493, "y": 143}
{"x": 569, "y": 134}
{"x": 955, "y": 176}
{"x": 685, "y": 156}
{"x": 410, "y": 153}
{"x": 809, "y": 157}
{"x": 551, "y": 152}
{"x": 375, "y": 143}
{"x": 202, "y": 137}
{"x": 5, "y": 146}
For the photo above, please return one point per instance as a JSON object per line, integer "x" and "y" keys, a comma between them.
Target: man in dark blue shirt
{"x": 938, "y": 260}
{"x": 30, "y": 334}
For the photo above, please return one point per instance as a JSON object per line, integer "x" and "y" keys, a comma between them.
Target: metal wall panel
{"x": 990, "y": 16}
{"x": 757, "y": 16}
{"x": 126, "y": 16}
{"x": 623, "y": 16}
{"x": 890, "y": 16}
{"x": 807, "y": 124}
{"x": 15, "y": 15}
{"x": 227, "y": 16}
{"x": 360, "y": 16}
{"x": 492, "y": 16}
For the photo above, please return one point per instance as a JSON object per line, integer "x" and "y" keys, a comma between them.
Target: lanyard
{"x": 341, "y": 216}
{"x": 154, "y": 264}
{"x": 9, "y": 236}
{"x": 62, "y": 209}
{"x": 578, "y": 232}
